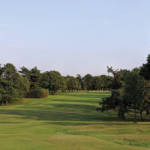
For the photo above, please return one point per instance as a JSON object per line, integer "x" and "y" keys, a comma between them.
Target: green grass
{"x": 68, "y": 122}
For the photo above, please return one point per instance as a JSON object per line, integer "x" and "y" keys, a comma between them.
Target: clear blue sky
{"x": 75, "y": 36}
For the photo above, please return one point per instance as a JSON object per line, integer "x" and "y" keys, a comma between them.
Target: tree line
{"x": 130, "y": 89}
{"x": 16, "y": 84}
{"x": 130, "y": 92}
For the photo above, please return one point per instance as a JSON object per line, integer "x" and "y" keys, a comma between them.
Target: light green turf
{"x": 68, "y": 122}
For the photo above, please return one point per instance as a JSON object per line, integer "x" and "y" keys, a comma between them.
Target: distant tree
{"x": 35, "y": 77}
{"x": 145, "y": 69}
{"x": 38, "y": 93}
{"x": 97, "y": 83}
{"x": 32, "y": 75}
{"x": 88, "y": 82}
{"x": 116, "y": 83}
{"x": 23, "y": 86}
{"x": 106, "y": 82}
{"x": 53, "y": 81}
{"x": 9, "y": 72}
{"x": 80, "y": 80}
{"x": 137, "y": 69}
{"x": 45, "y": 80}
{"x": 25, "y": 72}
{"x": 72, "y": 83}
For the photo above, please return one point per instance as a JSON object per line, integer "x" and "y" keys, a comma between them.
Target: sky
{"x": 75, "y": 36}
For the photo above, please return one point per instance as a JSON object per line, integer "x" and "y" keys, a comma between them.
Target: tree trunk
{"x": 135, "y": 115}
{"x": 141, "y": 115}
{"x": 121, "y": 115}
{"x": 147, "y": 111}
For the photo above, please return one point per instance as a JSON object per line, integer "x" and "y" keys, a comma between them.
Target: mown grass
{"x": 68, "y": 122}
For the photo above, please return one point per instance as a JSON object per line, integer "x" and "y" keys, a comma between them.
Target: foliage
{"x": 80, "y": 80}
{"x": 38, "y": 93}
{"x": 116, "y": 83}
{"x": 87, "y": 80}
{"x": 12, "y": 85}
{"x": 130, "y": 89}
{"x": 32, "y": 75}
{"x": 53, "y": 81}
{"x": 145, "y": 69}
{"x": 102, "y": 82}
{"x": 72, "y": 83}
{"x": 131, "y": 96}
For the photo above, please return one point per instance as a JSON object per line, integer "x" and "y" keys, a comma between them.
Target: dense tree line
{"x": 130, "y": 92}
{"x": 32, "y": 83}
{"x": 130, "y": 89}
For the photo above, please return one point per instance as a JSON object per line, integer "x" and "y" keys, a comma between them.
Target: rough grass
{"x": 68, "y": 122}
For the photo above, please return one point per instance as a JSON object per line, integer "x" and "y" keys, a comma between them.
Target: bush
{"x": 38, "y": 93}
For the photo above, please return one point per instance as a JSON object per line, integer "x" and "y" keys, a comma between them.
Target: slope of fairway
{"x": 68, "y": 122}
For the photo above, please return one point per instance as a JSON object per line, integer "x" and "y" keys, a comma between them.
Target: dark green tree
{"x": 131, "y": 96}
{"x": 12, "y": 85}
{"x": 88, "y": 82}
{"x": 134, "y": 92}
{"x": 72, "y": 83}
{"x": 116, "y": 83}
{"x": 32, "y": 75}
{"x": 80, "y": 80}
{"x": 145, "y": 69}
{"x": 53, "y": 81}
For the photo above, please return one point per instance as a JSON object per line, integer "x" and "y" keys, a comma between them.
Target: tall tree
{"x": 12, "y": 85}
{"x": 87, "y": 81}
{"x": 134, "y": 92}
{"x": 32, "y": 75}
{"x": 116, "y": 83}
{"x": 72, "y": 83}
{"x": 53, "y": 81}
{"x": 145, "y": 69}
{"x": 80, "y": 80}
{"x": 131, "y": 96}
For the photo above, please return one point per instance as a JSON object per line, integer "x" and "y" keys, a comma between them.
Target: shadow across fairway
{"x": 66, "y": 115}
{"x": 62, "y": 114}
{"x": 69, "y": 109}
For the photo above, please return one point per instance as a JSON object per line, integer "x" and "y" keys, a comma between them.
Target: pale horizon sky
{"x": 75, "y": 37}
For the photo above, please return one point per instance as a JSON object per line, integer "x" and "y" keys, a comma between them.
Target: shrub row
{"x": 38, "y": 93}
